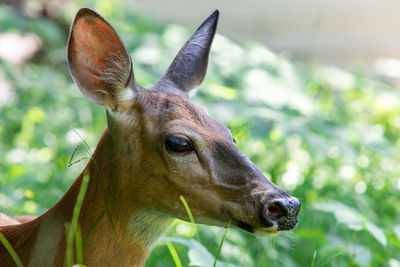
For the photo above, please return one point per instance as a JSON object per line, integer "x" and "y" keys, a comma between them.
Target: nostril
{"x": 276, "y": 210}
{"x": 294, "y": 206}
{"x": 282, "y": 212}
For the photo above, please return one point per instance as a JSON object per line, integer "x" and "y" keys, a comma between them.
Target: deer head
{"x": 164, "y": 146}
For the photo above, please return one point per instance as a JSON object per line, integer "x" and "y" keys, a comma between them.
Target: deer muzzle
{"x": 281, "y": 212}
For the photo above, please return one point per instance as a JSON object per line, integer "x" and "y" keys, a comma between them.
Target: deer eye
{"x": 178, "y": 144}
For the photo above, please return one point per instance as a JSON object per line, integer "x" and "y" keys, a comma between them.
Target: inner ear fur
{"x": 98, "y": 60}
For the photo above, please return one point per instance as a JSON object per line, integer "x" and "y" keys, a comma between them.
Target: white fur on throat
{"x": 147, "y": 226}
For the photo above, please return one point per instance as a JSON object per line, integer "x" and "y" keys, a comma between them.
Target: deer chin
{"x": 261, "y": 231}
{"x": 251, "y": 228}
{"x": 266, "y": 232}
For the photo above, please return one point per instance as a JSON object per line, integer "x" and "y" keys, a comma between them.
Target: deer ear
{"x": 190, "y": 65}
{"x": 98, "y": 60}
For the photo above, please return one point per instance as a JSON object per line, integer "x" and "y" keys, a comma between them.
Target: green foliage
{"x": 328, "y": 136}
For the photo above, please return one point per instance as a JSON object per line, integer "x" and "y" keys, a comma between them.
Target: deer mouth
{"x": 275, "y": 228}
{"x": 264, "y": 229}
{"x": 270, "y": 230}
{"x": 245, "y": 226}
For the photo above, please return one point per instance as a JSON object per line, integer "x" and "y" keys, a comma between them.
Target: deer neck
{"x": 122, "y": 229}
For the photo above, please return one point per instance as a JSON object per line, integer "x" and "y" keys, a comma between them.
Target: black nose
{"x": 283, "y": 212}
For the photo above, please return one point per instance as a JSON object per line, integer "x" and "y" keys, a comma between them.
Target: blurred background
{"x": 308, "y": 88}
{"x": 339, "y": 32}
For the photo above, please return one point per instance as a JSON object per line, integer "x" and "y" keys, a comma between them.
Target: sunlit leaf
{"x": 377, "y": 233}
{"x": 396, "y": 230}
{"x": 342, "y": 213}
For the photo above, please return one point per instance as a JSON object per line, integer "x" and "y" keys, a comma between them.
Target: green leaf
{"x": 396, "y": 230}
{"x": 376, "y": 232}
{"x": 342, "y": 213}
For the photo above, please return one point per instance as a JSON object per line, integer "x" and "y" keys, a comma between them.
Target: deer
{"x": 157, "y": 147}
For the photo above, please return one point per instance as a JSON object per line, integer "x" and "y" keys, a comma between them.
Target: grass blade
{"x": 189, "y": 212}
{"x": 71, "y": 227}
{"x": 220, "y": 245}
{"x": 108, "y": 211}
{"x": 243, "y": 256}
{"x": 11, "y": 250}
{"x": 94, "y": 228}
{"x": 78, "y": 245}
{"x": 174, "y": 254}
{"x": 314, "y": 257}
